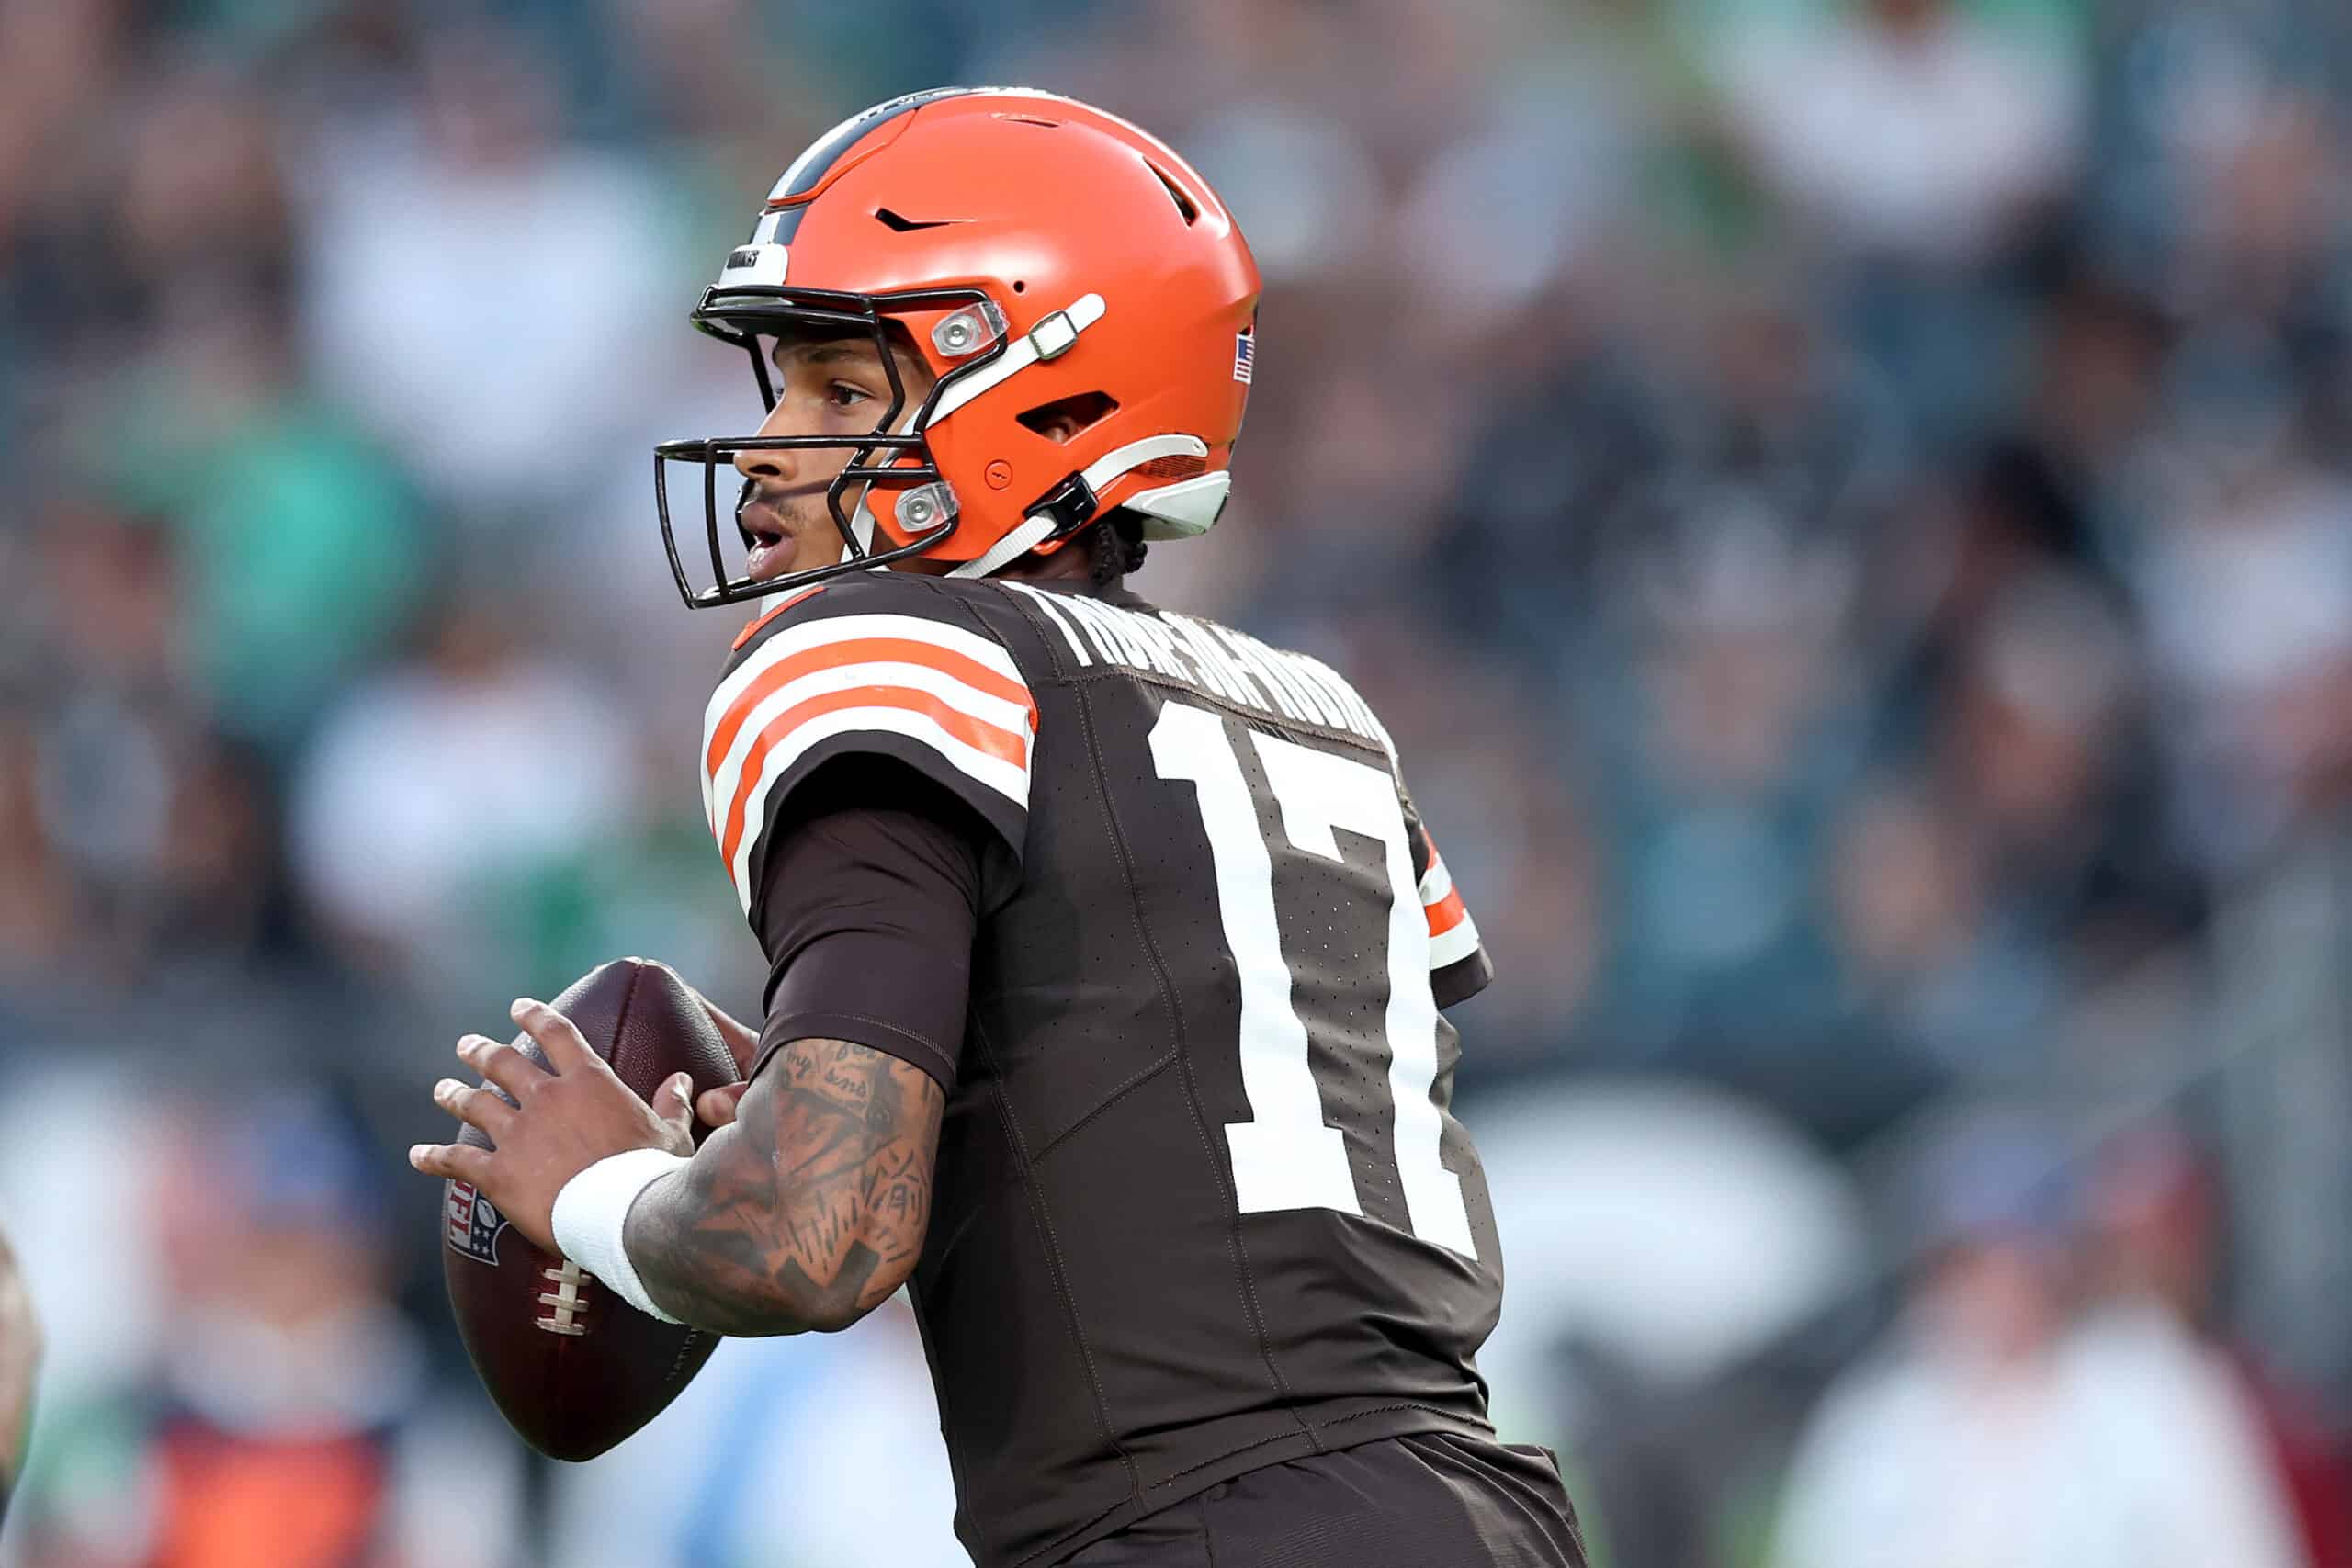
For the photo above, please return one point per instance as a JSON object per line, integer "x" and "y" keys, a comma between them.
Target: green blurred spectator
{"x": 302, "y": 549}
{"x": 304, "y": 558}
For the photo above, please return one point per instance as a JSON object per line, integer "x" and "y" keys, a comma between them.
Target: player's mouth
{"x": 768, "y": 544}
{"x": 770, "y": 551}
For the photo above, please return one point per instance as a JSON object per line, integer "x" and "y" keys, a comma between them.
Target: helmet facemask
{"x": 968, "y": 333}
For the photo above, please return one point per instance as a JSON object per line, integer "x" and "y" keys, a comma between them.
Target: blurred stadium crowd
{"x": 1843, "y": 504}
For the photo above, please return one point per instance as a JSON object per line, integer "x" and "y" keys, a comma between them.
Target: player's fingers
{"x": 476, "y": 1107}
{"x": 717, "y": 1106}
{"x": 459, "y": 1162}
{"x": 502, "y": 1065}
{"x": 742, "y": 1040}
{"x": 567, "y": 1052}
{"x": 674, "y": 1101}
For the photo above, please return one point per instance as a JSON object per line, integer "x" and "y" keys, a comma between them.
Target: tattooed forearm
{"x": 810, "y": 1210}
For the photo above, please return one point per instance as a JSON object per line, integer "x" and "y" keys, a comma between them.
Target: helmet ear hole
{"x": 1184, "y": 206}
{"x": 1066, "y": 419}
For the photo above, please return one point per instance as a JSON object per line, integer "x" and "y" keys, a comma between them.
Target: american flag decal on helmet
{"x": 1245, "y": 353}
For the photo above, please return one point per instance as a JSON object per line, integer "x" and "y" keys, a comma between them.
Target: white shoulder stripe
{"x": 1455, "y": 945}
{"x": 1437, "y": 882}
{"x": 998, "y": 774}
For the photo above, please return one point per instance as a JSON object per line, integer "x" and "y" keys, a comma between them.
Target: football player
{"x": 1107, "y": 947}
{"x": 19, "y": 1360}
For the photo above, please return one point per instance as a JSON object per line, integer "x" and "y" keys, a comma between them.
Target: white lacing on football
{"x": 569, "y": 1299}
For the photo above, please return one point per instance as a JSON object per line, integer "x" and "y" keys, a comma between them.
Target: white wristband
{"x": 592, "y": 1211}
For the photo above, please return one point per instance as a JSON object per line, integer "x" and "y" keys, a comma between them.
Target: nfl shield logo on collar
{"x": 1245, "y": 353}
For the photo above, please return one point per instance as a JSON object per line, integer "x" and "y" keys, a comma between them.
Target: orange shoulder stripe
{"x": 1446, "y": 913}
{"x": 752, "y": 627}
{"x": 861, "y": 650}
{"x": 978, "y": 734}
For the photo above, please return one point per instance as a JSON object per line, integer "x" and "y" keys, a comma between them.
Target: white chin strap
{"x": 1027, "y": 536}
{"x": 1049, "y": 339}
{"x": 861, "y": 522}
{"x": 1119, "y": 460}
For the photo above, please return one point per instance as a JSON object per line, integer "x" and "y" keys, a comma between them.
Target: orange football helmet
{"x": 1039, "y": 255}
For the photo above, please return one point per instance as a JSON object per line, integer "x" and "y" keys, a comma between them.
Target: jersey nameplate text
{"x": 1210, "y": 658}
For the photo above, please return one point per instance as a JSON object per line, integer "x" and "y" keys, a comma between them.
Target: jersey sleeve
{"x": 1459, "y": 967}
{"x": 872, "y": 904}
{"x": 876, "y": 665}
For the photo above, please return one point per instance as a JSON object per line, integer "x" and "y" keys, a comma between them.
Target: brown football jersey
{"x": 1201, "y": 1206}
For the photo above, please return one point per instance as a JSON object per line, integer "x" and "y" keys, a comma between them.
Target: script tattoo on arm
{"x": 810, "y": 1210}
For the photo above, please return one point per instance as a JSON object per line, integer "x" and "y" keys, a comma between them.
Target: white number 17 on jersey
{"x": 1284, "y": 1157}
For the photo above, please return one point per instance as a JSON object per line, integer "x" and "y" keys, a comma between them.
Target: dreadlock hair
{"x": 1118, "y": 546}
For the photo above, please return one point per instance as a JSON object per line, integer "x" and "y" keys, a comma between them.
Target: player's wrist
{"x": 592, "y": 1215}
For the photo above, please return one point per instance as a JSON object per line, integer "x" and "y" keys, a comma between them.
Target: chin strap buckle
{"x": 1066, "y": 509}
{"x": 1070, "y": 505}
{"x": 1053, "y": 336}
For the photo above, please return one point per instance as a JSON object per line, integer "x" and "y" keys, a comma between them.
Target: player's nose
{"x": 774, "y": 465}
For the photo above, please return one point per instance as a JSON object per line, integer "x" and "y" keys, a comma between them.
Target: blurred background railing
{"x": 1844, "y": 506}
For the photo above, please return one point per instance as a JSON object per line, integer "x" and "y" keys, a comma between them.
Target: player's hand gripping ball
{"x": 572, "y": 1367}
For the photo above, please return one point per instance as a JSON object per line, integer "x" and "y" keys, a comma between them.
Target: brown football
{"x": 572, "y": 1367}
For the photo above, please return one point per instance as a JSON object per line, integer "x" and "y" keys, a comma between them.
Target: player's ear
{"x": 1063, "y": 419}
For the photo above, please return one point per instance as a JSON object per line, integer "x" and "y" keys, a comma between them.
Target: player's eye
{"x": 842, "y": 395}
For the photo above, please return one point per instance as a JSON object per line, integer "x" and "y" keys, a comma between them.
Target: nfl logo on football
{"x": 474, "y": 1222}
